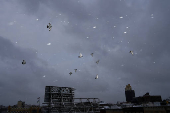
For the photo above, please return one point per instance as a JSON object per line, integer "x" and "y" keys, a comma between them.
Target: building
{"x": 129, "y": 93}
{"x": 20, "y": 104}
{"x": 3, "y": 109}
{"x": 61, "y": 99}
{"x": 35, "y": 109}
{"x": 154, "y": 109}
{"x": 58, "y": 99}
{"x": 111, "y": 111}
{"x": 146, "y": 98}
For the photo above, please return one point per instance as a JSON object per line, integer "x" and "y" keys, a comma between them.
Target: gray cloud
{"x": 147, "y": 35}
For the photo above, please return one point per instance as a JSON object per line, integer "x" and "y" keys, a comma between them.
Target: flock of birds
{"x": 81, "y": 57}
{"x": 49, "y": 26}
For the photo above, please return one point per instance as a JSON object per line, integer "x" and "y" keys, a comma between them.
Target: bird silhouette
{"x": 92, "y": 54}
{"x": 97, "y": 61}
{"x": 97, "y": 76}
{"x": 80, "y": 55}
{"x": 49, "y": 26}
{"x": 23, "y": 62}
{"x": 131, "y": 52}
{"x": 75, "y": 70}
{"x": 70, "y": 73}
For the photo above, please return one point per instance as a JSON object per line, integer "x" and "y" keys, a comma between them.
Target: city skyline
{"x": 108, "y": 29}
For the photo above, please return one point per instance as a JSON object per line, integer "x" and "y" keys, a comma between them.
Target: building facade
{"x": 129, "y": 93}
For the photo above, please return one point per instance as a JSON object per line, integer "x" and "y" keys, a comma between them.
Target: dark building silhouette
{"x": 129, "y": 93}
{"x": 147, "y": 98}
{"x": 154, "y": 109}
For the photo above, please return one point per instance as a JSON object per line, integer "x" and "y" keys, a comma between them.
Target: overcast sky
{"x": 107, "y": 28}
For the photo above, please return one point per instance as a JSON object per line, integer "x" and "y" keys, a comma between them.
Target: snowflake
{"x": 152, "y": 16}
{"x": 55, "y": 81}
{"x": 49, "y": 44}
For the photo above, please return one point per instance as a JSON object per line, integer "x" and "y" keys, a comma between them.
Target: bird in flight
{"x": 70, "y": 73}
{"x": 97, "y": 61}
{"x": 80, "y": 55}
{"x": 75, "y": 70}
{"x": 92, "y": 54}
{"x": 131, "y": 52}
{"x": 97, "y": 76}
{"x": 23, "y": 62}
{"x": 49, "y": 26}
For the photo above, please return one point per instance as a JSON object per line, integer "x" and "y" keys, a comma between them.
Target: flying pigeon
{"x": 80, "y": 55}
{"x": 92, "y": 54}
{"x": 96, "y": 76}
{"x": 49, "y": 26}
{"x": 131, "y": 52}
{"x": 70, "y": 73}
{"x": 75, "y": 70}
{"x": 97, "y": 61}
{"x": 23, "y": 62}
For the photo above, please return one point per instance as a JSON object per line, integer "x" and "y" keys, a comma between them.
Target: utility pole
{"x": 38, "y": 101}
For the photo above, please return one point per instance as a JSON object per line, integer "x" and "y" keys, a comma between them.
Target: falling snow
{"x": 70, "y": 36}
{"x": 152, "y": 16}
{"x": 49, "y": 44}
